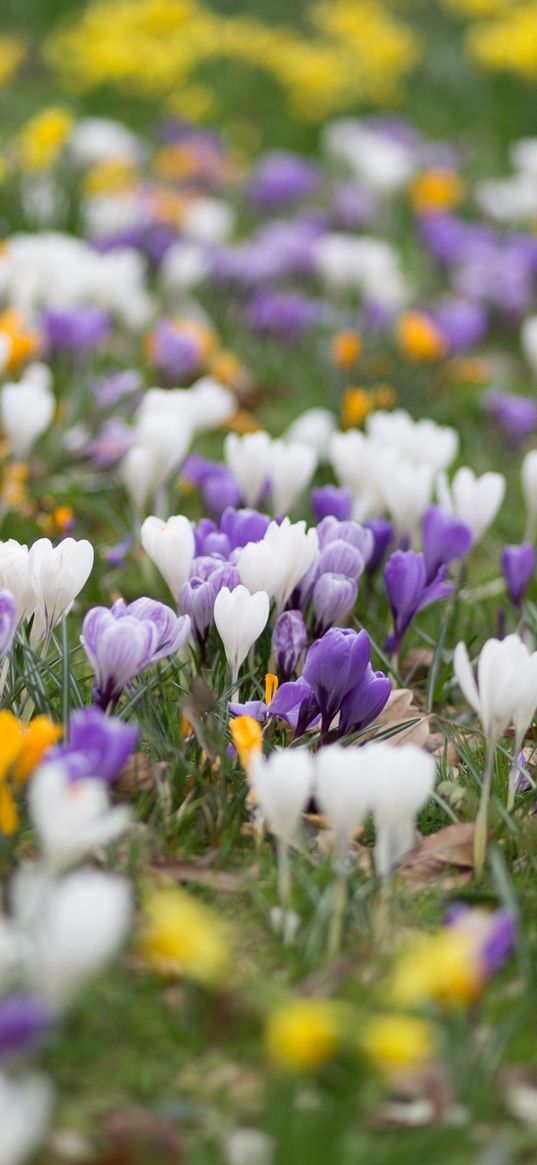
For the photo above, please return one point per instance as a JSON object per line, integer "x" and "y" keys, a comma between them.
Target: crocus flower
{"x": 196, "y": 598}
{"x": 121, "y": 642}
{"x": 240, "y": 619}
{"x": 282, "y": 783}
{"x": 26, "y": 410}
{"x": 26, "y": 1103}
{"x": 408, "y": 490}
{"x": 528, "y": 480}
{"x": 445, "y": 538}
{"x": 516, "y": 415}
{"x": 474, "y": 499}
{"x": 400, "y": 781}
{"x": 382, "y": 531}
{"x": 170, "y": 545}
{"x": 25, "y": 1020}
{"x": 172, "y": 630}
{"x": 332, "y": 501}
{"x": 57, "y": 576}
{"x": 72, "y": 819}
{"x": 334, "y": 595}
{"x": 9, "y": 619}
{"x": 15, "y": 575}
{"x": 248, "y": 459}
{"x": 75, "y": 329}
{"x": 243, "y": 526}
{"x": 289, "y": 641}
{"x": 291, "y": 468}
{"x": 341, "y": 793}
{"x": 96, "y": 746}
{"x": 518, "y": 565}
{"x": 405, "y": 579}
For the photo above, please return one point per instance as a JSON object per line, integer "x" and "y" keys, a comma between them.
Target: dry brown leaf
{"x": 140, "y": 1128}
{"x": 448, "y": 853}
{"x": 228, "y": 881}
{"x": 139, "y": 774}
{"x": 416, "y": 663}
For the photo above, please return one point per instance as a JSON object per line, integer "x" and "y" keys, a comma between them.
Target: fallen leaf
{"x": 140, "y": 774}
{"x": 228, "y": 881}
{"x": 444, "y": 854}
{"x": 416, "y": 663}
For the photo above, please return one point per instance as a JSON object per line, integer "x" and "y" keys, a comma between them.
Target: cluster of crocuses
{"x": 62, "y": 921}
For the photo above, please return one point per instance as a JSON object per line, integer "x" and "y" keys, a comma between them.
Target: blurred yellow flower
{"x": 418, "y": 337}
{"x": 21, "y": 341}
{"x": 247, "y": 737}
{"x": 182, "y": 937}
{"x": 357, "y": 403}
{"x": 42, "y": 139}
{"x": 436, "y": 190}
{"x": 12, "y": 52}
{"x": 303, "y": 1034}
{"x": 345, "y": 349}
{"x": 21, "y": 749}
{"x": 398, "y": 1043}
{"x": 444, "y": 967}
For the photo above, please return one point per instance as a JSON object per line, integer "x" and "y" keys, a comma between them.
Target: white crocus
{"x": 248, "y": 459}
{"x": 170, "y": 545}
{"x": 260, "y": 569}
{"x": 400, "y": 782}
{"x": 528, "y": 340}
{"x": 57, "y": 574}
{"x": 421, "y": 442}
{"x": 79, "y": 923}
{"x": 341, "y": 791}
{"x": 26, "y": 410}
{"x": 505, "y": 691}
{"x": 25, "y": 1110}
{"x": 358, "y": 465}
{"x": 291, "y": 468}
{"x": 528, "y": 479}
{"x": 140, "y": 475}
{"x": 73, "y": 818}
{"x": 15, "y": 575}
{"x": 283, "y": 784}
{"x": 408, "y": 492}
{"x": 476, "y": 500}
{"x": 313, "y": 427}
{"x": 295, "y": 549}
{"x": 240, "y": 618}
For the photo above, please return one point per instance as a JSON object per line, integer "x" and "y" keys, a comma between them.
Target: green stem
{"x": 481, "y": 824}
{"x": 284, "y": 886}
{"x": 335, "y": 932}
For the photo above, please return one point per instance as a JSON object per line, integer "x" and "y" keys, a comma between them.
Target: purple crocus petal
{"x": 500, "y": 942}
{"x": 116, "y": 555}
{"x": 339, "y": 557}
{"x": 408, "y": 591}
{"x": 331, "y": 501}
{"x": 303, "y": 592}
{"x": 118, "y": 648}
{"x": 445, "y": 538}
{"x": 518, "y": 565}
{"x": 461, "y": 322}
{"x": 364, "y": 702}
{"x": 75, "y": 329}
{"x": 296, "y": 703}
{"x": 242, "y": 526}
{"x": 97, "y": 745}
{"x": 330, "y": 530}
{"x": 219, "y": 491}
{"x": 334, "y": 595}
{"x": 25, "y": 1021}
{"x": 335, "y": 664}
{"x": 516, "y": 415}
{"x": 172, "y": 630}
{"x": 257, "y": 709}
{"x": 289, "y": 641}
{"x": 216, "y": 543}
{"x": 9, "y": 618}
{"x": 282, "y": 178}
{"x": 382, "y": 531}
{"x": 440, "y": 587}
{"x": 196, "y": 599}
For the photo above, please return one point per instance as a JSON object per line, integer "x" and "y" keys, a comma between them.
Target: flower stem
{"x": 284, "y": 886}
{"x": 335, "y": 932}
{"x": 481, "y": 824}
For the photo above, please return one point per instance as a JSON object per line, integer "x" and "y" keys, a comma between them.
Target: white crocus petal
{"x": 57, "y": 574}
{"x": 210, "y": 404}
{"x": 476, "y": 500}
{"x": 240, "y": 619}
{"x": 408, "y": 492}
{"x": 313, "y": 427}
{"x": 401, "y": 781}
{"x": 82, "y": 922}
{"x": 291, "y": 469}
{"x": 528, "y": 340}
{"x": 283, "y": 785}
{"x": 528, "y": 479}
{"x": 295, "y": 548}
{"x": 420, "y": 442}
{"x": 72, "y": 818}
{"x": 248, "y": 459}
{"x": 464, "y": 675}
{"x": 171, "y": 547}
{"x": 503, "y": 676}
{"x": 25, "y": 1112}
{"x": 26, "y": 410}
{"x": 138, "y": 475}
{"x": 342, "y": 792}
{"x": 260, "y": 569}
{"x": 15, "y": 575}
{"x": 527, "y": 705}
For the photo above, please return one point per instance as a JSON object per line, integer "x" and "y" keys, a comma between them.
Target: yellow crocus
{"x": 42, "y": 139}
{"x": 247, "y": 737}
{"x": 21, "y": 749}
{"x": 419, "y": 338}
{"x": 303, "y": 1034}
{"x": 182, "y": 937}
{"x": 398, "y": 1043}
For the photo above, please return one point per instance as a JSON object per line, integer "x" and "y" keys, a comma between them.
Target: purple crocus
{"x": 282, "y": 178}
{"x": 516, "y": 415}
{"x": 9, "y": 620}
{"x": 518, "y": 565}
{"x": 196, "y": 599}
{"x": 289, "y": 641}
{"x": 405, "y": 579}
{"x": 25, "y": 1021}
{"x": 332, "y": 501}
{"x": 75, "y": 329}
{"x": 445, "y": 538}
{"x": 244, "y": 525}
{"x": 334, "y": 595}
{"x": 123, "y": 641}
{"x": 382, "y": 531}
{"x": 220, "y": 490}
{"x": 284, "y": 315}
{"x": 96, "y": 746}
{"x": 365, "y": 701}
